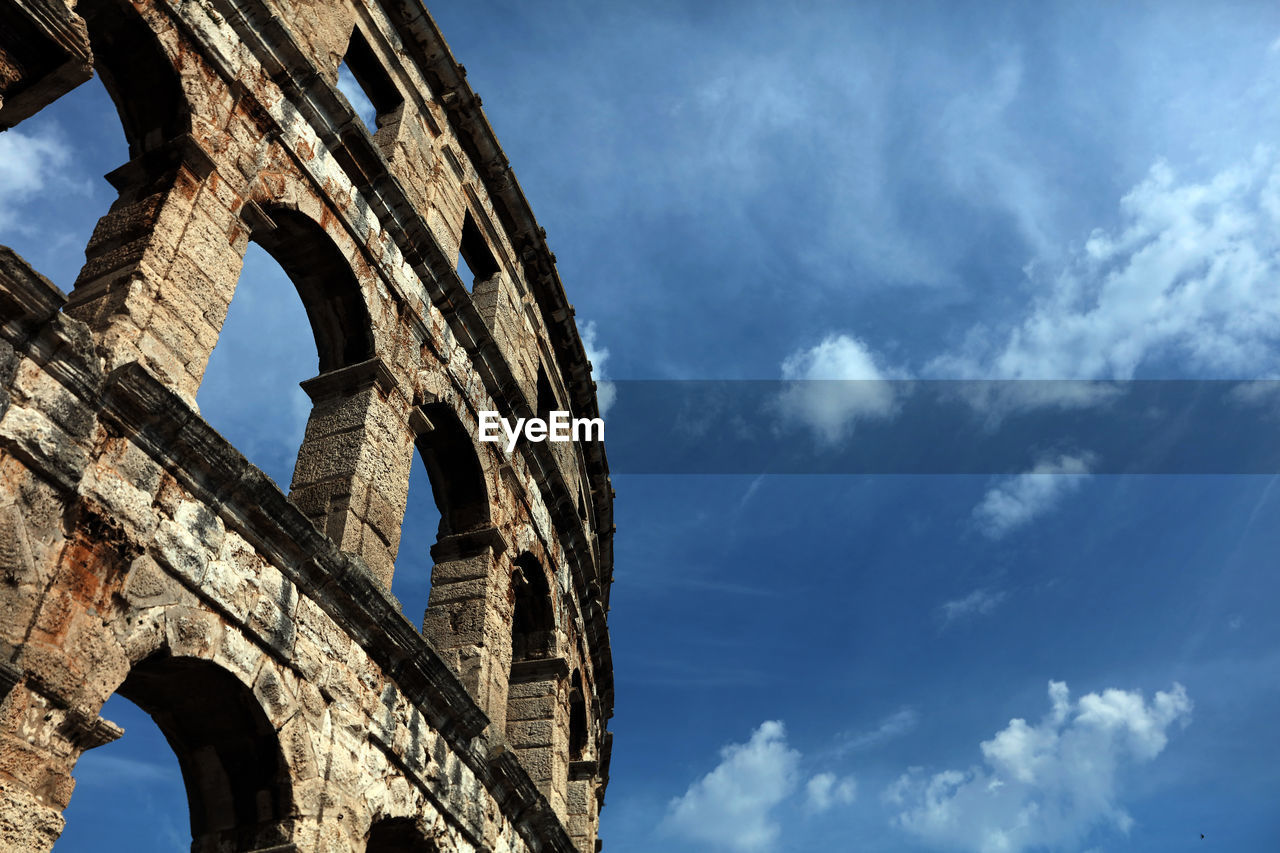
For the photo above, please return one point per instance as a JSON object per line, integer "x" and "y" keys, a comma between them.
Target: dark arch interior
{"x": 235, "y": 775}
{"x": 577, "y": 719}
{"x": 533, "y": 620}
{"x": 137, "y": 74}
{"x": 457, "y": 479}
{"x": 329, "y": 290}
{"x": 546, "y": 400}
{"x": 398, "y": 835}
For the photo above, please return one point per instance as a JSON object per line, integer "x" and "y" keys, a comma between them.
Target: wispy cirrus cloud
{"x": 897, "y": 724}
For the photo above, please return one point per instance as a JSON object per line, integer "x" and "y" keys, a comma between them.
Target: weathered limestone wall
{"x": 141, "y": 554}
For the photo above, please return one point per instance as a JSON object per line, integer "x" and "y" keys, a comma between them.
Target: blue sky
{"x": 1060, "y": 660}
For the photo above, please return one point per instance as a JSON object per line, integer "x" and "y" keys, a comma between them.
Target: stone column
{"x": 40, "y": 741}
{"x": 162, "y": 265}
{"x": 538, "y": 725}
{"x": 468, "y": 617}
{"x": 582, "y": 806}
{"x": 352, "y": 474}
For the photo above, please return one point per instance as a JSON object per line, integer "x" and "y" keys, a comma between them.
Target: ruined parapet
{"x": 141, "y": 554}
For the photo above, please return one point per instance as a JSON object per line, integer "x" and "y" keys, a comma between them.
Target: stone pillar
{"x": 352, "y": 474}
{"x": 40, "y": 741}
{"x": 468, "y": 616}
{"x": 162, "y": 265}
{"x": 583, "y": 808}
{"x": 538, "y": 725}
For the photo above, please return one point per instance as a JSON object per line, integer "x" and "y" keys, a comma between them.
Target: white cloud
{"x": 1015, "y": 501}
{"x": 732, "y": 806}
{"x": 1045, "y": 785}
{"x": 606, "y": 392}
{"x": 826, "y": 790}
{"x": 980, "y": 602}
{"x": 1190, "y": 281}
{"x": 31, "y": 164}
{"x": 834, "y": 384}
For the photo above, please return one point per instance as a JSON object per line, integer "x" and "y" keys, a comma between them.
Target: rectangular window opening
{"x": 366, "y": 84}
{"x": 474, "y": 255}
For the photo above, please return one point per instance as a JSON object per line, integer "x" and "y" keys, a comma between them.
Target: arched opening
{"x": 322, "y": 275}
{"x": 454, "y": 469}
{"x": 137, "y": 74}
{"x": 536, "y": 727}
{"x": 52, "y": 189}
{"x": 130, "y": 788}
{"x": 52, "y": 164}
{"x": 411, "y": 583}
{"x": 577, "y": 718}
{"x": 466, "y": 608}
{"x": 250, "y": 392}
{"x": 533, "y": 621}
{"x": 351, "y": 470}
{"x": 237, "y": 784}
{"x": 398, "y": 835}
{"x": 546, "y": 397}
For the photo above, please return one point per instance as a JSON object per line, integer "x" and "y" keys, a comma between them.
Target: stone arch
{"x": 533, "y": 619}
{"x": 233, "y": 767}
{"x": 138, "y": 74}
{"x": 536, "y": 712}
{"x": 351, "y": 477}
{"x": 325, "y": 281}
{"x": 466, "y": 614}
{"x": 453, "y": 463}
{"x": 583, "y": 768}
{"x": 162, "y": 262}
{"x": 398, "y": 835}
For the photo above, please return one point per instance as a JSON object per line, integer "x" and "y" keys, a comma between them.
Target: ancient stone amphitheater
{"x": 141, "y": 554}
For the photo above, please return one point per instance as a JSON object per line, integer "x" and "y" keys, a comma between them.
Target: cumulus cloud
{"x": 1187, "y": 284}
{"x": 606, "y": 392}
{"x": 1015, "y": 501}
{"x": 1189, "y": 281}
{"x": 732, "y": 807}
{"x": 826, "y": 790}
{"x": 980, "y": 602}
{"x": 1051, "y": 784}
{"x": 834, "y": 384}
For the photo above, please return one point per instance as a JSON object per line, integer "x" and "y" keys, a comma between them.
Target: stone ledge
{"x": 26, "y": 295}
